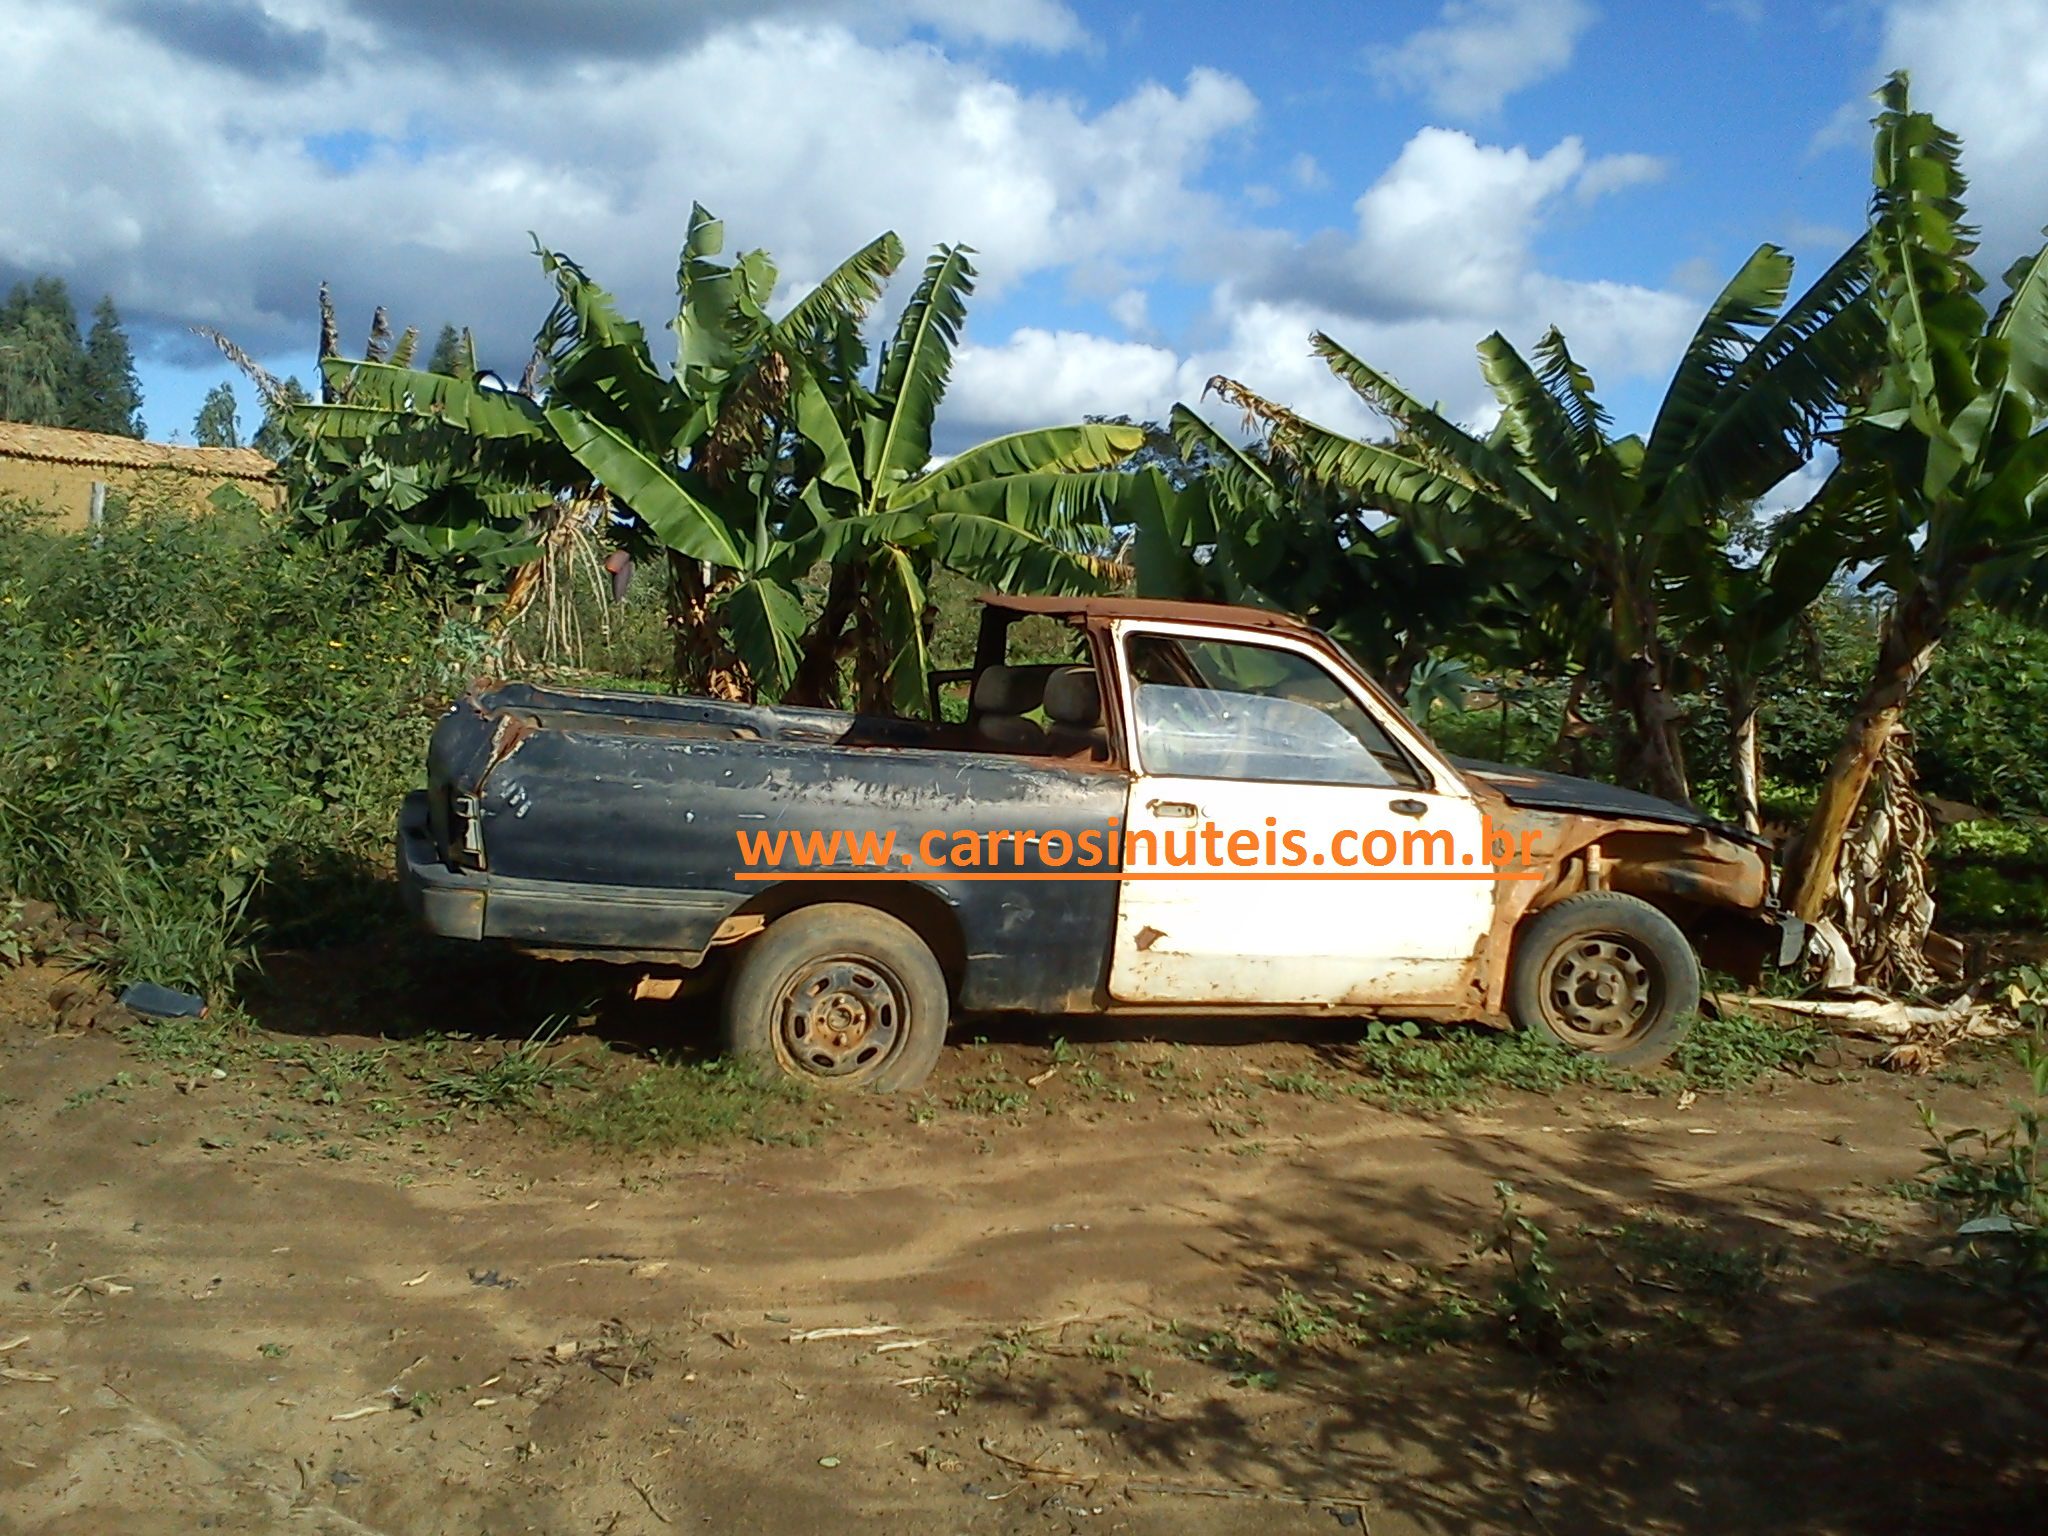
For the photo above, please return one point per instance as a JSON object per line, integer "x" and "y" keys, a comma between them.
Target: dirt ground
{"x": 224, "y": 1307}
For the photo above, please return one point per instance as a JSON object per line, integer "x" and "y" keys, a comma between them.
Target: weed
{"x": 1305, "y": 1083}
{"x": 1297, "y": 1320}
{"x": 514, "y": 1078}
{"x": 188, "y": 1043}
{"x": 273, "y": 1351}
{"x": 1736, "y": 1050}
{"x": 995, "y": 1093}
{"x": 674, "y": 1105}
{"x": 232, "y": 712}
{"x": 1996, "y": 1182}
{"x": 1536, "y": 1310}
{"x": 1666, "y": 1253}
{"x": 332, "y": 1072}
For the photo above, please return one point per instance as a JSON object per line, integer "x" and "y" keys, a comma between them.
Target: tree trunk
{"x": 1883, "y": 909}
{"x": 1657, "y": 755}
{"x": 1742, "y": 738}
{"x": 702, "y": 661}
{"x": 1912, "y": 630}
{"x": 817, "y": 671}
{"x": 1568, "y": 750}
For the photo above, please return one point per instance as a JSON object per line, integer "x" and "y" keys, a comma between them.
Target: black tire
{"x": 838, "y": 996}
{"x": 1606, "y": 974}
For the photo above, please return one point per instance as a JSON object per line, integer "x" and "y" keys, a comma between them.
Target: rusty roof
{"x": 1106, "y": 608}
{"x": 61, "y": 445}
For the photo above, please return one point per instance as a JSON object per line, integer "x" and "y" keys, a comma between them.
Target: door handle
{"x": 1408, "y": 807}
{"x": 1179, "y": 810}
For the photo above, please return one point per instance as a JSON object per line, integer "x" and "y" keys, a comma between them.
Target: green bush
{"x": 205, "y": 729}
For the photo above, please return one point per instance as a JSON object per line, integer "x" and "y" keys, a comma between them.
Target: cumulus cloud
{"x": 1442, "y": 252}
{"x": 197, "y": 201}
{"x": 1483, "y": 51}
{"x": 217, "y": 180}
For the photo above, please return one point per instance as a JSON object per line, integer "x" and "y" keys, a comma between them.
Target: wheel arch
{"x": 919, "y": 907}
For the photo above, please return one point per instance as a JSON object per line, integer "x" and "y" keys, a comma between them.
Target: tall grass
{"x": 205, "y": 729}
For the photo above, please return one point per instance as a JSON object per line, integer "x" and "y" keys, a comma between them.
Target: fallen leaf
{"x": 651, "y": 1267}
{"x": 828, "y": 1461}
{"x": 15, "y": 1343}
{"x": 416, "y": 1279}
{"x": 485, "y": 1402}
{"x": 11, "y": 1374}
{"x": 360, "y": 1413}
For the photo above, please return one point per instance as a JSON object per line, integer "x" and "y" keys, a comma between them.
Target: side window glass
{"x": 1219, "y": 709}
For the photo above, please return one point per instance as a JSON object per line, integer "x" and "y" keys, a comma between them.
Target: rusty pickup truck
{"x": 1206, "y": 810}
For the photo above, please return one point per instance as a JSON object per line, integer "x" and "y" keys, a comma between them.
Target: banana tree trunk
{"x": 1742, "y": 738}
{"x": 703, "y": 662}
{"x": 1657, "y": 755}
{"x": 1912, "y": 631}
{"x": 817, "y": 671}
{"x": 1883, "y": 908}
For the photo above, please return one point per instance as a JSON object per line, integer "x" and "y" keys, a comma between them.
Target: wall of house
{"x": 66, "y": 489}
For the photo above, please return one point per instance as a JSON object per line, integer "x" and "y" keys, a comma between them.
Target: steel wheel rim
{"x": 1598, "y": 991}
{"x": 841, "y": 1017}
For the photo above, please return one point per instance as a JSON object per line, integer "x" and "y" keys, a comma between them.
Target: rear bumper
{"x": 609, "y": 921}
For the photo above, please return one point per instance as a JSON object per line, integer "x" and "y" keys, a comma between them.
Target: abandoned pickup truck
{"x": 1207, "y": 810}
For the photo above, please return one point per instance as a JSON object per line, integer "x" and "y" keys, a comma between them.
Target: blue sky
{"x": 1158, "y": 192}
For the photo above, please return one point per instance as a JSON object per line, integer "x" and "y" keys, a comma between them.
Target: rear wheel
{"x": 1607, "y": 974}
{"x": 841, "y": 997}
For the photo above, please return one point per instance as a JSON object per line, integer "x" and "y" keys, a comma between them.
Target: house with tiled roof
{"x": 76, "y": 474}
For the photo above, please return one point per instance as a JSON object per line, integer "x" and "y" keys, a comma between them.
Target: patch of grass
{"x": 676, "y": 1105}
{"x": 1306, "y": 1083}
{"x": 1406, "y": 1065}
{"x": 1671, "y": 1254}
{"x": 190, "y": 1043}
{"x": 1737, "y": 1050}
{"x": 512, "y": 1078}
{"x": 993, "y": 1093}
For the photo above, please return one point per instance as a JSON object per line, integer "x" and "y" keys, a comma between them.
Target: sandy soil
{"x": 236, "y": 1312}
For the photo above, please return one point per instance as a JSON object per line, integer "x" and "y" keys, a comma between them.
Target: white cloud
{"x": 1063, "y": 375}
{"x": 1483, "y": 51}
{"x": 197, "y": 192}
{"x": 1442, "y": 253}
{"x": 1617, "y": 173}
{"x": 1981, "y": 67}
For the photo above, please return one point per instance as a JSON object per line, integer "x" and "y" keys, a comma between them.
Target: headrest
{"x": 1008, "y": 690}
{"x": 1074, "y": 697}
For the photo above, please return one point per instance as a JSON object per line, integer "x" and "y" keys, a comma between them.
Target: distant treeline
{"x": 51, "y": 375}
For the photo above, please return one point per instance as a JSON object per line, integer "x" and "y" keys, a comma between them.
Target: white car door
{"x": 1287, "y": 842}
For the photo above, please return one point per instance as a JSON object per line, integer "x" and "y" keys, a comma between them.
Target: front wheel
{"x": 1607, "y": 974}
{"x": 841, "y": 997}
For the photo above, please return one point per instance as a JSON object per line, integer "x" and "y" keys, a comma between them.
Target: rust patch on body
{"x": 1148, "y": 936}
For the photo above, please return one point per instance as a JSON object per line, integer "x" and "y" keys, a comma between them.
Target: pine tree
{"x": 112, "y": 396}
{"x": 42, "y": 365}
{"x": 216, "y": 426}
{"x": 449, "y": 354}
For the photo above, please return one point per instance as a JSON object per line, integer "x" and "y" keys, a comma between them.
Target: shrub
{"x": 1997, "y": 1184}
{"x": 205, "y": 729}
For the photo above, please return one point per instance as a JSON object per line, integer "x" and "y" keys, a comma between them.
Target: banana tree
{"x": 1259, "y": 532}
{"x": 1942, "y": 485}
{"x": 1018, "y": 512}
{"x": 1755, "y": 386}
